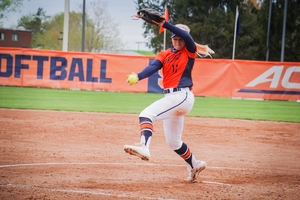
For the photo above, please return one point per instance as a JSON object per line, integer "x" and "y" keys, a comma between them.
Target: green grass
{"x": 121, "y": 102}
{"x": 288, "y": 111}
{"x": 146, "y": 53}
{"x": 70, "y": 100}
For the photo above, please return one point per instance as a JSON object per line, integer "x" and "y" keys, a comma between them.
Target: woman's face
{"x": 178, "y": 43}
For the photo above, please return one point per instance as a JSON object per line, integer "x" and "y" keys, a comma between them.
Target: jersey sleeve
{"x": 162, "y": 55}
{"x": 187, "y": 38}
{"x": 150, "y": 69}
{"x": 192, "y": 54}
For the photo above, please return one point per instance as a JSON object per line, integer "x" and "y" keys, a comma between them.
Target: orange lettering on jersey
{"x": 172, "y": 58}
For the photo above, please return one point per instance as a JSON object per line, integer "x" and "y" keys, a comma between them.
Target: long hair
{"x": 202, "y": 50}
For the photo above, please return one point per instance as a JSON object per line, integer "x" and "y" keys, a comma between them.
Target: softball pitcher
{"x": 176, "y": 64}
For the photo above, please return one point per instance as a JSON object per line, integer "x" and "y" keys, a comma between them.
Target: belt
{"x": 167, "y": 91}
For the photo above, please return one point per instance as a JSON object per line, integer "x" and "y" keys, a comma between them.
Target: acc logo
{"x": 277, "y": 71}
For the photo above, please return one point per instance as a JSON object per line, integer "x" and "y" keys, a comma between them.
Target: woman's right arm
{"x": 150, "y": 69}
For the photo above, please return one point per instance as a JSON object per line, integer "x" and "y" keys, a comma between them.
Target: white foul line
{"x": 92, "y": 163}
{"x": 143, "y": 164}
{"x": 97, "y": 163}
{"x": 97, "y": 192}
{"x": 211, "y": 182}
{"x": 100, "y": 192}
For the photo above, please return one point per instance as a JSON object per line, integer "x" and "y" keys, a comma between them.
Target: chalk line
{"x": 99, "y": 191}
{"x": 211, "y": 182}
{"x": 96, "y": 192}
{"x": 98, "y": 163}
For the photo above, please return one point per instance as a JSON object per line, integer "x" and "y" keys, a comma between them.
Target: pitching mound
{"x": 77, "y": 155}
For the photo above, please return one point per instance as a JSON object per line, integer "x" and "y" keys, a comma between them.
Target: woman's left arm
{"x": 187, "y": 38}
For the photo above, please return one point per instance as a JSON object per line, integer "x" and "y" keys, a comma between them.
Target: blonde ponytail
{"x": 202, "y": 50}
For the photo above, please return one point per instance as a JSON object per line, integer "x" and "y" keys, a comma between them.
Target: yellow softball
{"x": 132, "y": 78}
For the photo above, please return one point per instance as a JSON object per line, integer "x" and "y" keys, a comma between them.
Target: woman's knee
{"x": 145, "y": 114}
{"x": 174, "y": 145}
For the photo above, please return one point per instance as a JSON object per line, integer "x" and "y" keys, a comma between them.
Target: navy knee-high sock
{"x": 185, "y": 153}
{"x": 146, "y": 130}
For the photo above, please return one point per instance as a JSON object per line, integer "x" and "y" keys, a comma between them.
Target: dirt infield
{"x": 77, "y": 155}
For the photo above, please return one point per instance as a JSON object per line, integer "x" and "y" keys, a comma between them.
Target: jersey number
{"x": 175, "y": 68}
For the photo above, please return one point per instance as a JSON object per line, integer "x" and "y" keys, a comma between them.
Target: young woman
{"x": 177, "y": 65}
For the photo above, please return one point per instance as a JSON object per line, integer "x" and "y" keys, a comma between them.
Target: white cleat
{"x": 193, "y": 173}
{"x": 139, "y": 150}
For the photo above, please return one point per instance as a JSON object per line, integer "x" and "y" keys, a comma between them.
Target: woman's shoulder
{"x": 163, "y": 54}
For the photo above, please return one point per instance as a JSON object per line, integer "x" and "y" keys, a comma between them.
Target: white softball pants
{"x": 171, "y": 109}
